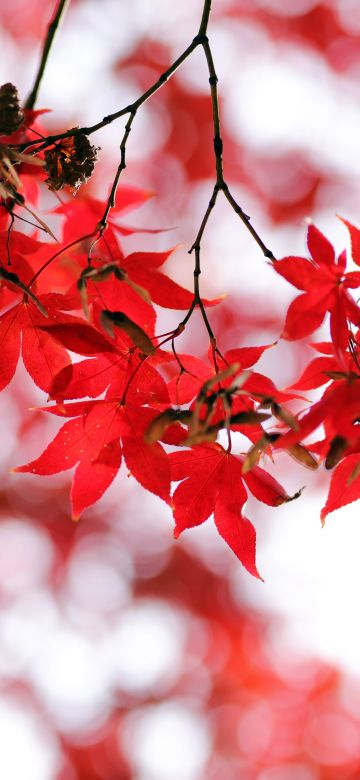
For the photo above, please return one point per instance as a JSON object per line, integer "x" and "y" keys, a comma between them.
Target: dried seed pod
{"x": 11, "y": 115}
{"x": 303, "y": 456}
{"x": 111, "y": 319}
{"x": 336, "y": 451}
{"x": 71, "y": 161}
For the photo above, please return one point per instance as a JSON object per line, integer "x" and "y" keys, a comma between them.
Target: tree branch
{"x": 205, "y": 17}
{"x": 43, "y": 143}
{"x": 101, "y": 226}
{"x": 220, "y": 184}
{"x": 218, "y": 150}
{"x": 52, "y": 29}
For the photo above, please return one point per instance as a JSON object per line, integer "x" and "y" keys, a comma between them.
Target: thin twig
{"x": 205, "y": 218}
{"x": 122, "y": 165}
{"x": 246, "y": 220}
{"x": 200, "y": 39}
{"x": 102, "y": 224}
{"x": 197, "y": 269}
{"x": 220, "y": 184}
{"x": 132, "y": 108}
{"x": 52, "y": 29}
{"x": 205, "y": 18}
{"x": 218, "y": 150}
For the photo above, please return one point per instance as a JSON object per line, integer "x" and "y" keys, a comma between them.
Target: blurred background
{"x": 125, "y": 655}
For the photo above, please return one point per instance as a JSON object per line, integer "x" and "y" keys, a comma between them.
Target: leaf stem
{"x": 52, "y": 29}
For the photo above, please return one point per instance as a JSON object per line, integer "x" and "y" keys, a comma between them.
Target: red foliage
{"x": 85, "y": 298}
{"x": 114, "y": 297}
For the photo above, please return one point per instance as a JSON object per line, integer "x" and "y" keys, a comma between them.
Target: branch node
{"x": 194, "y": 246}
{"x": 200, "y": 39}
{"x": 213, "y": 80}
{"x": 268, "y": 253}
{"x": 101, "y": 226}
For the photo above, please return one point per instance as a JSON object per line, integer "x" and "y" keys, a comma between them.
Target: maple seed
{"x": 96, "y": 275}
{"x": 111, "y": 319}
{"x": 14, "y": 279}
{"x": 70, "y": 162}
{"x": 338, "y": 446}
{"x": 159, "y": 424}
{"x": 284, "y": 415}
{"x": 11, "y": 115}
{"x": 303, "y": 456}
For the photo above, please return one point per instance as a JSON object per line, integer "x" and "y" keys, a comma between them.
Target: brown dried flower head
{"x": 11, "y": 115}
{"x": 71, "y": 161}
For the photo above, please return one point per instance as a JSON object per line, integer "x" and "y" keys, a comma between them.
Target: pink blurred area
{"x": 125, "y": 655}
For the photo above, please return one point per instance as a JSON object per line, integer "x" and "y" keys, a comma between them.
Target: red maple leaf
{"x": 338, "y": 411}
{"x": 92, "y": 440}
{"x": 326, "y": 287}
{"x": 138, "y": 284}
{"x": 87, "y": 211}
{"x": 142, "y": 268}
{"x": 213, "y": 481}
{"x": 121, "y": 369}
{"x": 15, "y": 247}
{"x": 354, "y": 240}
{"x": 44, "y": 340}
{"x": 344, "y": 485}
{"x": 321, "y": 369}
{"x": 191, "y": 372}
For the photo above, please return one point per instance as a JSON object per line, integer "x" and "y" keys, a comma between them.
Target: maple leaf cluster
{"x": 202, "y": 430}
{"x": 83, "y": 316}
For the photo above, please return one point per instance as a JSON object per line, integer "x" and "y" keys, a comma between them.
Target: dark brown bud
{"x": 11, "y": 115}
{"x": 71, "y": 162}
